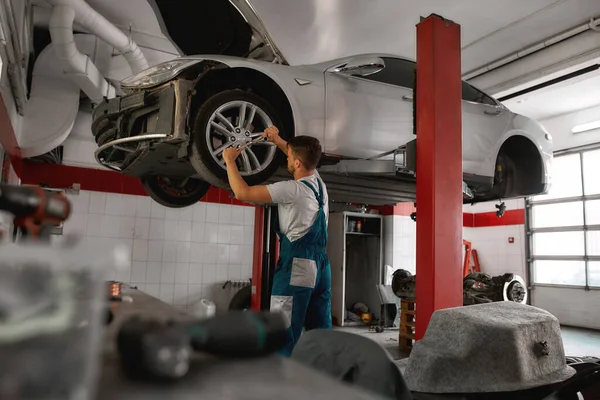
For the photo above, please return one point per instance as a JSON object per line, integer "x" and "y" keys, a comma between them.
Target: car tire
{"x": 175, "y": 196}
{"x": 241, "y": 300}
{"x": 202, "y": 145}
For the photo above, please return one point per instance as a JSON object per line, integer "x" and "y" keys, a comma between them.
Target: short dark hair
{"x": 307, "y": 149}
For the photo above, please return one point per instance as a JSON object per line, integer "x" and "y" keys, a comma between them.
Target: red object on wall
{"x": 257, "y": 259}
{"x": 439, "y": 168}
{"x": 510, "y": 217}
{"x": 511, "y": 240}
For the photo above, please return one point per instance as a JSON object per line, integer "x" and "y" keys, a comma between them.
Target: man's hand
{"x": 230, "y": 154}
{"x": 272, "y": 133}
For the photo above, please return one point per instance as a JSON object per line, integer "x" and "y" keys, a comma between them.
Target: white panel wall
{"x": 496, "y": 255}
{"x": 178, "y": 255}
{"x": 574, "y": 307}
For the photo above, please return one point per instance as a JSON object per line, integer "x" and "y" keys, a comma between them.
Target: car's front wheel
{"x": 235, "y": 118}
{"x": 175, "y": 192}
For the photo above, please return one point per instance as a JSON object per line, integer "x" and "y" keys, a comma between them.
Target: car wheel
{"x": 233, "y": 118}
{"x": 175, "y": 193}
{"x": 241, "y": 300}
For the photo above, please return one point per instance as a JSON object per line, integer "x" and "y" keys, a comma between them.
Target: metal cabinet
{"x": 356, "y": 262}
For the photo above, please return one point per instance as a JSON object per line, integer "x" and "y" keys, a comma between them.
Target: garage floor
{"x": 577, "y": 342}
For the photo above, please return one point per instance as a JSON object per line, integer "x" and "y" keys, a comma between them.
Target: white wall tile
{"x": 157, "y": 229}
{"x": 184, "y": 231}
{"x": 248, "y": 235}
{"x": 224, "y": 234}
{"x": 167, "y": 291}
{"x": 182, "y": 273}
{"x": 143, "y": 206}
{"x": 237, "y": 234}
{"x": 235, "y": 254}
{"x": 221, "y": 273}
{"x": 246, "y": 272}
{"x": 212, "y": 234}
{"x": 155, "y": 250}
{"x": 196, "y": 270}
{"x": 210, "y": 254}
{"x": 142, "y": 228}
{"x": 212, "y": 213}
{"x": 94, "y": 225}
{"x": 113, "y": 204}
{"x": 97, "y": 203}
{"x": 138, "y": 271}
{"x": 110, "y": 226}
{"x": 224, "y": 214}
{"x": 183, "y": 252}
{"x": 157, "y": 210}
{"x": 208, "y": 273}
{"x": 126, "y": 227}
{"x": 237, "y": 215}
{"x": 199, "y": 213}
{"x": 223, "y": 254}
{"x": 180, "y": 294}
{"x": 167, "y": 273}
{"x": 194, "y": 294}
{"x": 197, "y": 252}
{"x": 153, "y": 270}
{"x": 198, "y": 229}
{"x": 140, "y": 250}
{"x": 77, "y": 224}
{"x": 169, "y": 252}
{"x": 208, "y": 291}
{"x": 153, "y": 289}
{"x": 123, "y": 274}
{"x": 247, "y": 254}
{"x": 235, "y": 272}
{"x": 128, "y": 205}
{"x": 139, "y": 285}
{"x": 186, "y": 214}
{"x": 80, "y": 202}
{"x": 172, "y": 213}
{"x": 249, "y": 216}
{"x": 171, "y": 227}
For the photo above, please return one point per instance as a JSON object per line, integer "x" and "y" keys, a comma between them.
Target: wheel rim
{"x": 237, "y": 123}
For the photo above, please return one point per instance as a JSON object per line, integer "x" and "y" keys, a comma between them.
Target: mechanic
{"x": 302, "y": 280}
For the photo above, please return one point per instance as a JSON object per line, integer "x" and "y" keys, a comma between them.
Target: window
{"x": 397, "y": 72}
{"x": 469, "y": 93}
{"x": 564, "y": 225}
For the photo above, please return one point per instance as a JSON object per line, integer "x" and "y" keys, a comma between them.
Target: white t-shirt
{"x": 298, "y": 205}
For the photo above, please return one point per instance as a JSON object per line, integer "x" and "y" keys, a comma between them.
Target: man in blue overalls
{"x": 302, "y": 281}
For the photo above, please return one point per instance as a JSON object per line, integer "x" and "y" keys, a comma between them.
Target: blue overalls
{"x": 302, "y": 280}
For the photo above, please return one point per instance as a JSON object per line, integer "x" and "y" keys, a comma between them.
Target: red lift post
{"x": 439, "y": 169}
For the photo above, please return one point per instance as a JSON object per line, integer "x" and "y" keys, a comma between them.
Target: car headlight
{"x": 158, "y": 74}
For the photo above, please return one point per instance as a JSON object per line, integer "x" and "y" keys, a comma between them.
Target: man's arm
{"x": 241, "y": 190}
{"x": 272, "y": 133}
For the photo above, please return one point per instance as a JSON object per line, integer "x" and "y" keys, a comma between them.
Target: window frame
{"x": 585, "y": 227}
{"x": 386, "y": 69}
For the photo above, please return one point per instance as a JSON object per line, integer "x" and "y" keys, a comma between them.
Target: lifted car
{"x": 174, "y": 120}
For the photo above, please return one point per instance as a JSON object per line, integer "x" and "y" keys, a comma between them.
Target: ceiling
{"x": 312, "y": 31}
{"x": 559, "y": 99}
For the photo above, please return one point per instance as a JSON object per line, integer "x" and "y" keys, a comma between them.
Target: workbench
{"x": 263, "y": 378}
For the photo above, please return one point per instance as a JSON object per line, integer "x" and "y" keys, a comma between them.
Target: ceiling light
{"x": 586, "y": 127}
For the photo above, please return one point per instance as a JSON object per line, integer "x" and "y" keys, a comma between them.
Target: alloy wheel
{"x": 236, "y": 124}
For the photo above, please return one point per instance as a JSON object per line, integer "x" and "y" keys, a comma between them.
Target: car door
{"x": 484, "y": 121}
{"x": 368, "y": 115}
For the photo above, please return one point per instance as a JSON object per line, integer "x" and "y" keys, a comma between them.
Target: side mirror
{"x": 361, "y": 66}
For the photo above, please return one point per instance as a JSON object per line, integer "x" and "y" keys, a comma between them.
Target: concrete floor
{"x": 577, "y": 342}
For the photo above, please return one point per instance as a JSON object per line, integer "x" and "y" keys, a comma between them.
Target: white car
{"x": 175, "y": 119}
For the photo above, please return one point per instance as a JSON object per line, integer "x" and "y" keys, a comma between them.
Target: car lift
{"x": 437, "y": 156}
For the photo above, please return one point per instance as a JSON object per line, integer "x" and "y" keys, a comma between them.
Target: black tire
{"x": 175, "y": 197}
{"x": 241, "y": 300}
{"x": 200, "y": 155}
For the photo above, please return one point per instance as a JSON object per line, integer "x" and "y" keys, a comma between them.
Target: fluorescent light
{"x": 586, "y": 127}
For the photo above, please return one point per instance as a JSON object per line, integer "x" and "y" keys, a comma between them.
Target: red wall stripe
{"x": 510, "y": 217}
{"x": 64, "y": 176}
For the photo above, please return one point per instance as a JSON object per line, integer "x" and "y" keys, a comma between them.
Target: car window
{"x": 396, "y": 72}
{"x": 469, "y": 93}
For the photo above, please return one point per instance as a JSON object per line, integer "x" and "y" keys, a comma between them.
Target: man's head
{"x": 304, "y": 153}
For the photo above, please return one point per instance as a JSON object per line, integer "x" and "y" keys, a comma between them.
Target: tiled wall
{"x": 178, "y": 255}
